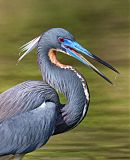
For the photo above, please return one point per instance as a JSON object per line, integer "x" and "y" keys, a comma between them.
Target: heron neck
{"x": 71, "y": 84}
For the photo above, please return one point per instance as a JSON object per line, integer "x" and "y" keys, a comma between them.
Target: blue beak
{"x": 73, "y": 49}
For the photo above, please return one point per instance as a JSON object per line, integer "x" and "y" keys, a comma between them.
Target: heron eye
{"x": 60, "y": 39}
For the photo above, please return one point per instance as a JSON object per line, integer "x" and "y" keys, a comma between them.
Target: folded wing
{"x": 27, "y": 131}
{"x": 25, "y": 97}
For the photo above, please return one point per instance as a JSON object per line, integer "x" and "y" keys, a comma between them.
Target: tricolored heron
{"x": 31, "y": 112}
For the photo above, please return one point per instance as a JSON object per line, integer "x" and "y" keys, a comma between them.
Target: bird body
{"x": 31, "y": 112}
{"x": 35, "y": 128}
{"x": 25, "y": 97}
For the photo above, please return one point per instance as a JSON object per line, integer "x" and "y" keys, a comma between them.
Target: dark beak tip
{"x": 110, "y": 82}
{"x": 118, "y": 72}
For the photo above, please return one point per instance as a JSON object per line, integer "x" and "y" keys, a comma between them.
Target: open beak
{"x": 74, "y": 49}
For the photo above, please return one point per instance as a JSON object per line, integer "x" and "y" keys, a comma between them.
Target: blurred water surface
{"x": 103, "y": 28}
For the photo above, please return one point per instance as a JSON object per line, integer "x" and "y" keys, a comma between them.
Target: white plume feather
{"x": 28, "y": 47}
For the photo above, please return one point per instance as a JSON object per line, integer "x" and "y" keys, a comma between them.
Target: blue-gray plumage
{"x": 25, "y": 125}
{"x": 25, "y": 97}
{"x": 27, "y": 131}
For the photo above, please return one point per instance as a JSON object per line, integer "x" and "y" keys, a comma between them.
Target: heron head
{"x": 61, "y": 40}
{"x": 53, "y": 38}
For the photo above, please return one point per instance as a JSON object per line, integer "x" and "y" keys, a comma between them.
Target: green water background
{"x": 103, "y": 28}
